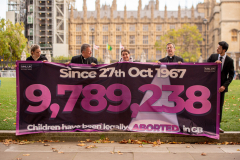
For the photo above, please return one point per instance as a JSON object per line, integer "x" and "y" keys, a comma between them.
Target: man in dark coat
{"x": 171, "y": 55}
{"x": 85, "y": 57}
{"x": 227, "y": 71}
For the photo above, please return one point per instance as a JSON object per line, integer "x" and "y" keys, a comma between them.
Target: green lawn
{"x": 230, "y": 121}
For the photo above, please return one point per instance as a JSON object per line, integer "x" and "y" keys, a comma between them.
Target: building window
{"x": 132, "y": 28}
{"x": 118, "y": 39}
{"x": 145, "y": 27}
{"x": 145, "y": 39}
{"x": 158, "y": 54}
{"x": 105, "y": 39}
{"x": 199, "y": 27}
{"x": 146, "y": 53}
{"x": 78, "y": 52}
{"x": 78, "y": 28}
{"x": 90, "y": 28}
{"x": 118, "y": 28}
{"x": 91, "y": 39}
{"x": 172, "y": 26}
{"x": 158, "y": 37}
{"x": 132, "y": 53}
{"x": 132, "y": 39}
{"x": 117, "y": 54}
{"x": 105, "y": 28}
{"x": 78, "y": 40}
{"x": 234, "y": 35}
{"x": 158, "y": 27}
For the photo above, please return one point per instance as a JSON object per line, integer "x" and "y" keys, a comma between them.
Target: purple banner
{"x": 140, "y": 97}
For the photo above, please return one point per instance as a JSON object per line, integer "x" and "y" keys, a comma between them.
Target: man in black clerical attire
{"x": 171, "y": 57}
{"x": 85, "y": 57}
{"x": 227, "y": 71}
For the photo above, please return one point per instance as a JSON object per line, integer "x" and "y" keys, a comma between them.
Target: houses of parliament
{"x": 139, "y": 30}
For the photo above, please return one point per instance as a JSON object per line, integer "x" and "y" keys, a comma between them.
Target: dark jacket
{"x": 227, "y": 72}
{"x": 80, "y": 60}
{"x": 175, "y": 59}
{"x": 41, "y": 58}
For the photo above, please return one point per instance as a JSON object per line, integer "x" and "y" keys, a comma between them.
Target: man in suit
{"x": 171, "y": 55}
{"x": 227, "y": 71}
{"x": 85, "y": 57}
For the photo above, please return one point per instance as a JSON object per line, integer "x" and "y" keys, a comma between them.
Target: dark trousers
{"x": 221, "y": 104}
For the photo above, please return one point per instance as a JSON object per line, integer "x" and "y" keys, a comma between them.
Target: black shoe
{"x": 221, "y": 131}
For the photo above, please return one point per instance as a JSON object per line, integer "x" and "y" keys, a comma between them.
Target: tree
{"x": 187, "y": 41}
{"x": 12, "y": 40}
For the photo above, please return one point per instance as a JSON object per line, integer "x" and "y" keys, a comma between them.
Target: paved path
{"x": 70, "y": 151}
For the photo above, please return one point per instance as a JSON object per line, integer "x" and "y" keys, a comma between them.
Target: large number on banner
{"x": 174, "y": 96}
{"x": 124, "y": 99}
{"x": 45, "y": 98}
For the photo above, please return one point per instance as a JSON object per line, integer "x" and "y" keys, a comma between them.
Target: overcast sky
{"x": 131, "y": 4}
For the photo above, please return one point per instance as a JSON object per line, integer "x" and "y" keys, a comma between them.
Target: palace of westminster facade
{"x": 139, "y": 30}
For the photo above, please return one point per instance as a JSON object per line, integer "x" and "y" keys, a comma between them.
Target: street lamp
{"x": 205, "y": 22}
{"x": 92, "y": 30}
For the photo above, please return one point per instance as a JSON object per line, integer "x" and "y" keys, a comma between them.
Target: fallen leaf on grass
{"x": 203, "y": 154}
{"x": 26, "y": 154}
{"x": 81, "y": 144}
{"x": 234, "y": 104}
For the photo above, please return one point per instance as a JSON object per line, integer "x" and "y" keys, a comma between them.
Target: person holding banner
{"x": 36, "y": 54}
{"x": 85, "y": 57}
{"x": 126, "y": 56}
{"x": 171, "y": 55}
{"x": 227, "y": 71}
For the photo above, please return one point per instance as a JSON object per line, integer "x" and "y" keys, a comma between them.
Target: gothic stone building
{"x": 139, "y": 30}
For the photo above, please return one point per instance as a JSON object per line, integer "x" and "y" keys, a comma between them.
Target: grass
{"x": 8, "y": 103}
{"x": 230, "y": 121}
{"x": 231, "y": 108}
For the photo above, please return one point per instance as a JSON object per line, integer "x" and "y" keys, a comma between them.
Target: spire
{"x": 111, "y": 14}
{"x": 84, "y": 10}
{"x": 152, "y": 12}
{"x": 114, "y": 5}
{"x": 97, "y": 3}
{"x": 179, "y": 12}
{"x": 125, "y": 12}
{"x": 192, "y": 12}
{"x": 71, "y": 14}
{"x": 157, "y": 5}
{"x": 139, "y": 9}
{"x": 165, "y": 12}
